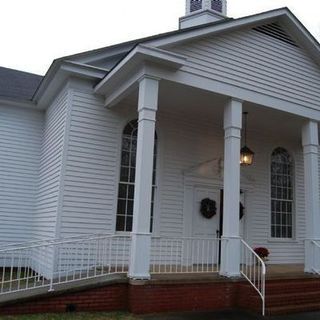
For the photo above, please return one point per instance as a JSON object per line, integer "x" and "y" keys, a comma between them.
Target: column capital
{"x": 233, "y": 114}
{"x": 148, "y": 94}
{"x": 310, "y": 134}
{"x": 147, "y": 76}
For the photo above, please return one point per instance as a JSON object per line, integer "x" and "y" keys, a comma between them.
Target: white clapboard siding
{"x": 46, "y": 212}
{"x": 91, "y": 172}
{"x": 20, "y": 141}
{"x": 255, "y": 61}
{"x": 205, "y": 142}
{"x": 176, "y": 155}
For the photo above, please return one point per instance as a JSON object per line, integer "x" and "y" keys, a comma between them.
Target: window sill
{"x": 279, "y": 240}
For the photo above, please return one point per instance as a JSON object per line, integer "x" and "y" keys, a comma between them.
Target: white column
{"x": 310, "y": 144}
{"x": 141, "y": 237}
{"x": 230, "y": 249}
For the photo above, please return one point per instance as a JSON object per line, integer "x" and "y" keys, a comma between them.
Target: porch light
{"x": 246, "y": 155}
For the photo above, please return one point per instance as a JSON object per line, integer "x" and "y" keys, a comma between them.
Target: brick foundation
{"x": 181, "y": 297}
{"x": 172, "y": 296}
{"x": 108, "y": 298}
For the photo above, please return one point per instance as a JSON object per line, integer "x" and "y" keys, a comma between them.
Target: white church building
{"x": 177, "y": 153}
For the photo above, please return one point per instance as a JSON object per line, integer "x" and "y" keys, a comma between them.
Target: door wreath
{"x": 208, "y": 208}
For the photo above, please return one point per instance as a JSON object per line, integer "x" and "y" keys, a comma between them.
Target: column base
{"x": 139, "y": 265}
{"x": 312, "y": 257}
{"x": 230, "y": 257}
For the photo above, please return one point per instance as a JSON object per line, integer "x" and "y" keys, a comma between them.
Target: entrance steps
{"x": 283, "y": 296}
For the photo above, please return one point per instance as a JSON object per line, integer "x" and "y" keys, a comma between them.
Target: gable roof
{"x": 119, "y": 51}
{"x": 18, "y": 84}
{"x": 22, "y": 89}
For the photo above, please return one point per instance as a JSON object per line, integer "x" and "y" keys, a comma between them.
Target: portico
{"x": 150, "y": 78}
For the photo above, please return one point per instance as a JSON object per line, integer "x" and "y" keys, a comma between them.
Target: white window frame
{"x": 292, "y": 201}
{"x": 132, "y": 183}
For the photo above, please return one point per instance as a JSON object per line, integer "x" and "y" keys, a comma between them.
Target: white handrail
{"x": 184, "y": 255}
{"x": 253, "y": 269}
{"x": 9, "y": 245}
{"x": 64, "y": 261}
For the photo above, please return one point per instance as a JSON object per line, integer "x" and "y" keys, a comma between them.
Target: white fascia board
{"x": 84, "y": 70}
{"x": 203, "y": 83}
{"x": 57, "y": 76}
{"x": 303, "y": 37}
{"x": 137, "y": 57}
{"x": 262, "y": 18}
{"x": 17, "y": 103}
{"x": 103, "y": 53}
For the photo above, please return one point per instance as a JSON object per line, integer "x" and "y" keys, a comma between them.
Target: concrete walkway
{"x": 234, "y": 315}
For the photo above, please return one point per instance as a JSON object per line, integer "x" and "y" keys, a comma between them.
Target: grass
{"x": 74, "y": 316}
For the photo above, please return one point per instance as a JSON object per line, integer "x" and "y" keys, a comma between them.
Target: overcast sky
{"x": 34, "y": 32}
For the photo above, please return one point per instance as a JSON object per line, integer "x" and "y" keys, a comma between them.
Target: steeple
{"x": 203, "y": 11}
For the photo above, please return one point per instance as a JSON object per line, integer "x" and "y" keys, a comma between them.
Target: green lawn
{"x": 74, "y": 316}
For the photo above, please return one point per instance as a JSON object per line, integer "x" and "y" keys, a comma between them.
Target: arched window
{"x": 195, "y": 5}
{"x": 282, "y": 177}
{"x": 127, "y": 178}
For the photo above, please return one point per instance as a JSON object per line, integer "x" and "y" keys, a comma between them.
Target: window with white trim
{"x": 127, "y": 178}
{"x": 282, "y": 186}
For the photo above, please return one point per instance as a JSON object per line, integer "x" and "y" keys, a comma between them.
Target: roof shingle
{"x": 18, "y": 84}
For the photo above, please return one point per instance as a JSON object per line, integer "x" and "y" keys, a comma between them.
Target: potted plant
{"x": 263, "y": 253}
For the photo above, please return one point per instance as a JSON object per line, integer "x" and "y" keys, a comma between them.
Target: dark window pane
{"x": 131, "y": 192}
{"x": 151, "y": 224}
{"x": 120, "y": 223}
{"x": 121, "y": 207}
{"x": 273, "y": 231}
{"x": 125, "y": 157}
{"x": 290, "y": 235}
{"x": 132, "y": 175}
{"x": 124, "y": 174}
{"x": 122, "y": 191}
{"x": 133, "y": 159}
{"x": 278, "y": 231}
{"x": 130, "y": 207}
{"x": 129, "y": 223}
{"x": 126, "y": 143}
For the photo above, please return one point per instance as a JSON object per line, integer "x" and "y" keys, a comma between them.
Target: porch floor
{"x": 274, "y": 272}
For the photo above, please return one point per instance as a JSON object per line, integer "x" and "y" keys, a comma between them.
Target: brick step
{"x": 292, "y": 287}
{"x": 292, "y": 308}
{"x": 292, "y": 298}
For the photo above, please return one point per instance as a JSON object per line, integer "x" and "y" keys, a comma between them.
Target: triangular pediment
{"x": 213, "y": 170}
{"x": 265, "y": 22}
{"x": 266, "y": 59}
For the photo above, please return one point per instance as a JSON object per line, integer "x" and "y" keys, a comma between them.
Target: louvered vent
{"x": 216, "y": 5}
{"x": 195, "y": 5}
{"x": 275, "y": 31}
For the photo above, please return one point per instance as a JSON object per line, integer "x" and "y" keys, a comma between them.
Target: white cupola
{"x": 203, "y": 11}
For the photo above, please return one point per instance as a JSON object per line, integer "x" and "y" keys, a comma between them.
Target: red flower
{"x": 262, "y": 252}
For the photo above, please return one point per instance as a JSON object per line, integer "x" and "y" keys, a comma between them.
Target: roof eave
{"x": 58, "y": 73}
{"x": 139, "y": 55}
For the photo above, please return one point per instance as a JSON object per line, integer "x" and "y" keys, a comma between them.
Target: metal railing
{"x": 253, "y": 269}
{"x": 7, "y": 245}
{"x": 184, "y": 255}
{"x": 54, "y": 263}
